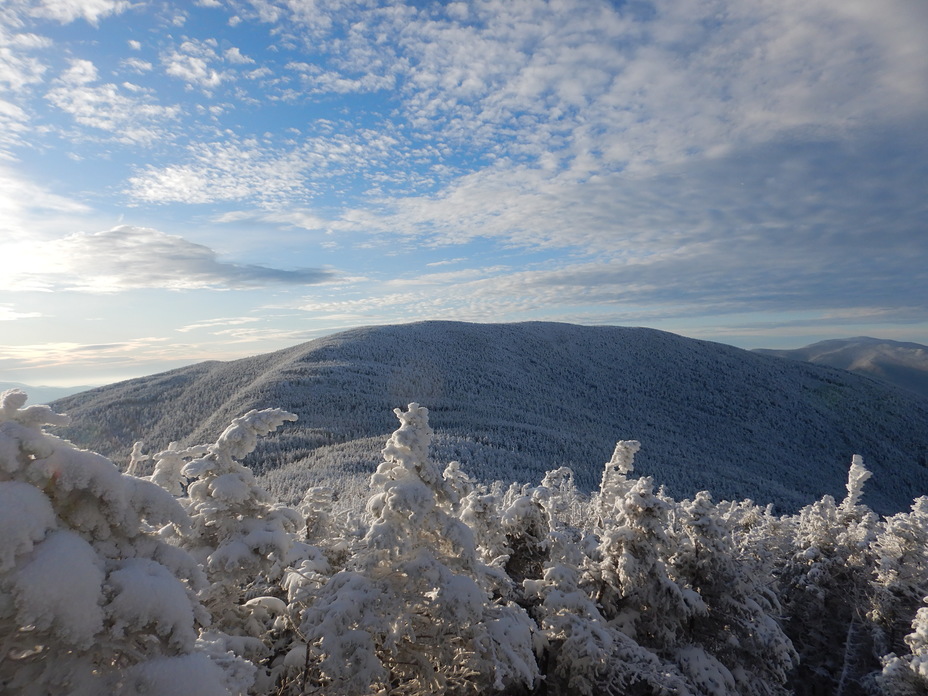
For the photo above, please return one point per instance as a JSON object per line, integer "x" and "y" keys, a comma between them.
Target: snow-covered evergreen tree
{"x": 901, "y": 577}
{"x": 734, "y": 636}
{"x": 411, "y": 613}
{"x": 92, "y": 599}
{"x": 908, "y": 675}
{"x": 239, "y": 534}
{"x": 243, "y": 540}
{"x": 631, "y": 575}
{"x": 584, "y": 652}
{"x": 826, "y": 591}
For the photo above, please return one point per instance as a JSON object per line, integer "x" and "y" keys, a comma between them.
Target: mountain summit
{"x": 511, "y": 401}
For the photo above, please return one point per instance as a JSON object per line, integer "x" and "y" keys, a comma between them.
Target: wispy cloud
{"x": 294, "y": 217}
{"x": 17, "y": 67}
{"x": 316, "y": 80}
{"x": 9, "y": 313}
{"x": 72, "y": 353}
{"x": 215, "y": 323}
{"x": 19, "y": 70}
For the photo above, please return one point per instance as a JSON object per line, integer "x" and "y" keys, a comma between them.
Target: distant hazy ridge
{"x": 902, "y": 364}
{"x": 511, "y": 401}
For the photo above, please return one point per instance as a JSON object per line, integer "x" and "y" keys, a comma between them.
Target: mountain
{"x": 902, "y": 364}
{"x": 42, "y": 395}
{"x": 511, "y": 401}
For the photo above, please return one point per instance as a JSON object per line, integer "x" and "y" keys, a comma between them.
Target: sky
{"x": 188, "y": 181}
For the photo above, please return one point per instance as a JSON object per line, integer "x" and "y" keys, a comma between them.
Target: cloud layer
{"x": 727, "y": 163}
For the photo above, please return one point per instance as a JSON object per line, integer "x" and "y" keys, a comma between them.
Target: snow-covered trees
{"x": 203, "y": 584}
{"x": 411, "y": 611}
{"x": 900, "y": 552}
{"x": 238, "y": 535}
{"x": 92, "y": 599}
{"x": 734, "y": 623}
{"x": 908, "y": 675}
{"x": 826, "y": 587}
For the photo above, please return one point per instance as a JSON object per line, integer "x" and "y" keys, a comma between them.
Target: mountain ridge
{"x": 901, "y": 363}
{"x": 514, "y": 400}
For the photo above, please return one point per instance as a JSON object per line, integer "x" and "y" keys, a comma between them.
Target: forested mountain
{"x": 895, "y": 362}
{"x": 511, "y": 401}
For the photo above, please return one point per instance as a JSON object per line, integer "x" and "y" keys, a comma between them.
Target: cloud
{"x": 125, "y": 258}
{"x": 45, "y": 356}
{"x": 195, "y": 61}
{"x": 19, "y": 71}
{"x": 137, "y": 65}
{"x": 66, "y": 11}
{"x": 264, "y": 173}
{"x": 191, "y": 63}
{"x": 537, "y": 99}
{"x": 319, "y": 81}
{"x": 17, "y": 68}
{"x": 131, "y": 119}
{"x": 622, "y": 87}
{"x": 8, "y": 313}
{"x": 810, "y": 194}
{"x": 23, "y": 201}
{"x": 213, "y": 323}
{"x": 234, "y": 55}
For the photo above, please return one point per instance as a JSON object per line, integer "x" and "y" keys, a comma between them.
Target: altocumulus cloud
{"x": 128, "y": 257}
{"x": 66, "y": 11}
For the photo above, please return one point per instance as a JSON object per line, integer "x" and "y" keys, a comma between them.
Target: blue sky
{"x": 208, "y": 180}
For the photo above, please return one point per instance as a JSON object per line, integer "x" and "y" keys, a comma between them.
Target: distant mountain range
{"x": 902, "y": 364}
{"x": 511, "y": 401}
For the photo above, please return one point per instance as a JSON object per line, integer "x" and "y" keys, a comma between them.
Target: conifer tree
{"x": 411, "y": 613}
{"x": 243, "y": 541}
{"x": 584, "y": 652}
{"x": 826, "y": 591}
{"x": 734, "y": 631}
{"x": 901, "y": 576}
{"x": 908, "y": 675}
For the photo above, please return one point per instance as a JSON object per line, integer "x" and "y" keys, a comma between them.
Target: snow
{"x": 59, "y": 587}
{"x": 143, "y": 593}
{"x": 187, "y": 675}
{"x": 26, "y": 516}
{"x": 12, "y": 408}
{"x": 231, "y": 488}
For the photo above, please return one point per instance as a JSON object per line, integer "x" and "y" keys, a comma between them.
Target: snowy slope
{"x": 511, "y": 401}
{"x": 902, "y": 364}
